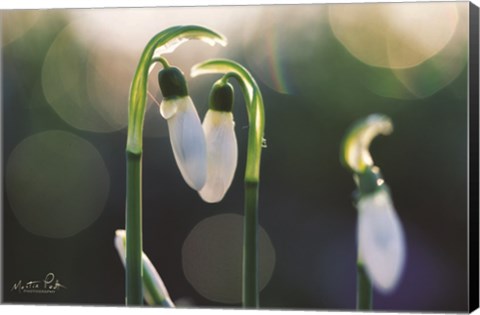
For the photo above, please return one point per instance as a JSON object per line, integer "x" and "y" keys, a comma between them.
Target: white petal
{"x": 221, "y": 154}
{"x": 188, "y": 140}
{"x": 380, "y": 240}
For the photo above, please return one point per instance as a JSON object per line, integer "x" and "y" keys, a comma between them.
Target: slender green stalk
{"x": 250, "y": 250}
{"x": 165, "y": 41}
{"x": 364, "y": 289}
{"x": 256, "y": 120}
{"x": 134, "y": 228}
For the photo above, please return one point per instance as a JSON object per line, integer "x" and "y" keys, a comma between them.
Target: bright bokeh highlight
{"x": 277, "y": 38}
{"x": 394, "y": 35}
{"x": 85, "y": 93}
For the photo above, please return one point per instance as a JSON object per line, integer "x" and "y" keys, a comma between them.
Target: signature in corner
{"x": 50, "y": 284}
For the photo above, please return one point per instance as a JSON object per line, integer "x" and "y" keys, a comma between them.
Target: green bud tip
{"x": 221, "y": 97}
{"x": 370, "y": 181}
{"x": 172, "y": 83}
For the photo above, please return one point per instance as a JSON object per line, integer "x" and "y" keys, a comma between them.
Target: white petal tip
{"x": 120, "y": 233}
{"x": 211, "y": 197}
{"x": 195, "y": 183}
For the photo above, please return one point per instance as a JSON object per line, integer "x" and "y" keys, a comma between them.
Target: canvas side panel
{"x": 474, "y": 193}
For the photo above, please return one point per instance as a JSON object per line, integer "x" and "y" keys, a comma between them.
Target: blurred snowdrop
{"x": 381, "y": 244}
{"x": 184, "y": 126}
{"x": 380, "y": 237}
{"x": 222, "y": 151}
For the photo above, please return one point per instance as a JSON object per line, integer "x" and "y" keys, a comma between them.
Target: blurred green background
{"x": 65, "y": 79}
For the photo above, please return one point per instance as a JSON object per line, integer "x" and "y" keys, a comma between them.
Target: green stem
{"x": 364, "y": 289}
{"x": 250, "y": 246}
{"x": 253, "y": 102}
{"x": 256, "y": 122}
{"x": 133, "y": 268}
{"x": 162, "y": 60}
{"x": 136, "y": 114}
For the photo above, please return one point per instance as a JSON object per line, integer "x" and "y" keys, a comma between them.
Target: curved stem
{"x": 255, "y": 108}
{"x": 162, "y": 60}
{"x": 256, "y": 120}
{"x": 164, "y": 42}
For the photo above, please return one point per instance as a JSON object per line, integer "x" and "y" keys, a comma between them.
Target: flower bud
{"x": 221, "y": 97}
{"x": 184, "y": 126}
{"x": 222, "y": 151}
{"x": 172, "y": 83}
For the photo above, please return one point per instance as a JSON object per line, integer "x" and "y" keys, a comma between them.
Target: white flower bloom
{"x": 154, "y": 284}
{"x": 381, "y": 242}
{"x": 221, "y": 154}
{"x": 187, "y": 139}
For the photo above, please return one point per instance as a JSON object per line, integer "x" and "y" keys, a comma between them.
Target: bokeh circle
{"x": 212, "y": 258}
{"x": 57, "y": 184}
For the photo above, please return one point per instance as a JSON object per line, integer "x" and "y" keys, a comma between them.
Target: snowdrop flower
{"x": 186, "y": 136}
{"x": 380, "y": 237}
{"x": 184, "y": 126}
{"x": 218, "y": 126}
{"x": 381, "y": 244}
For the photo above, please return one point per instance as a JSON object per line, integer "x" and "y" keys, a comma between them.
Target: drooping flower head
{"x": 381, "y": 243}
{"x": 222, "y": 151}
{"x": 184, "y": 126}
{"x": 380, "y": 237}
